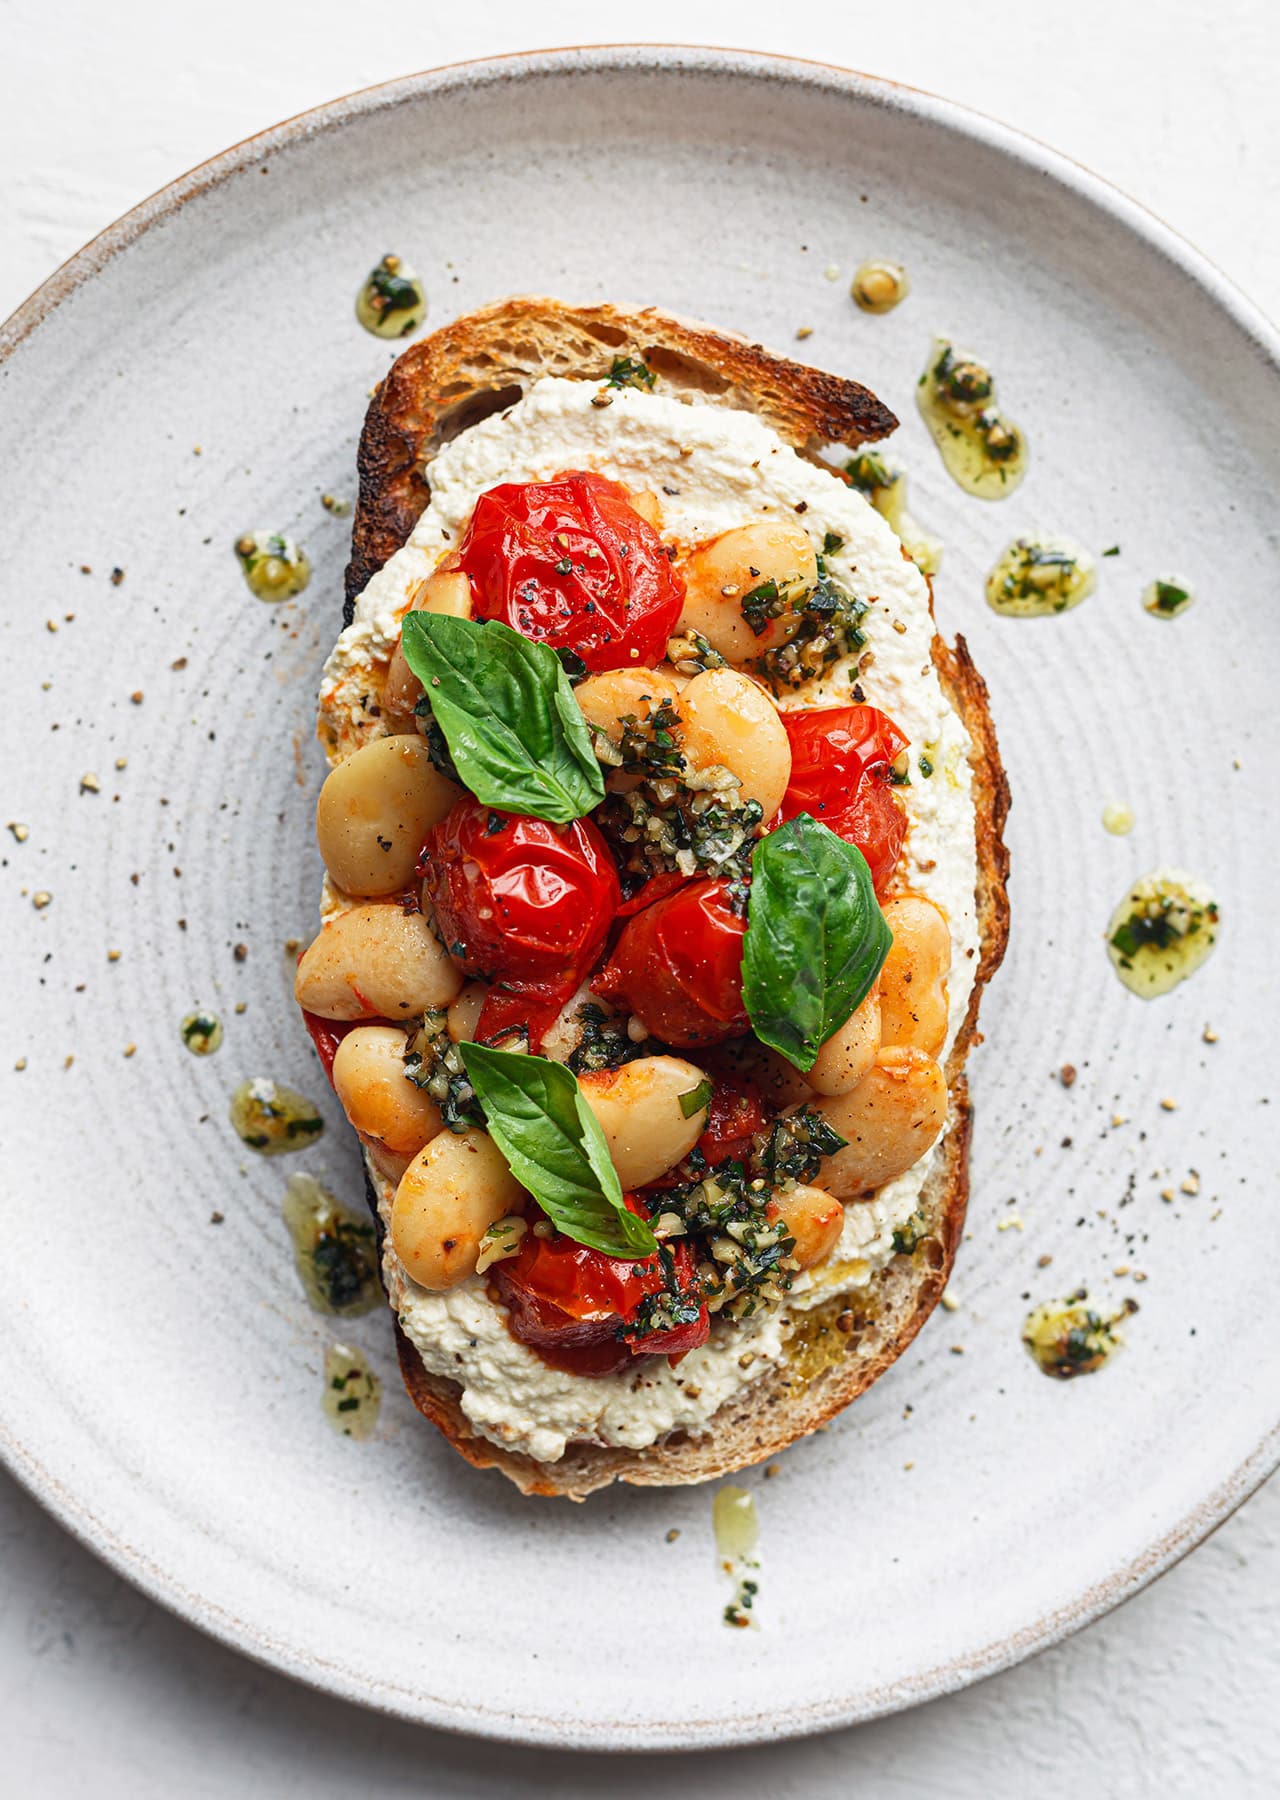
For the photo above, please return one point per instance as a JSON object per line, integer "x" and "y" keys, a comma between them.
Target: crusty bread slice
{"x": 484, "y": 361}
{"x": 480, "y": 364}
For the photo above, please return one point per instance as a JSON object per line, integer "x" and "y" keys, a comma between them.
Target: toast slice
{"x": 481, "y": 364}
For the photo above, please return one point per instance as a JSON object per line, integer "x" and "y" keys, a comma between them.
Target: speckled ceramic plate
{"x": 197, "y": 372}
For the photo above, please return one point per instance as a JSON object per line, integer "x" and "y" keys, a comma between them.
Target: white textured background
{"x": 101, "y": 1693}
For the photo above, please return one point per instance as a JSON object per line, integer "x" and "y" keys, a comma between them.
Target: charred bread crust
{"x": 428, "y": 397}
{"x": 483, "y": 363}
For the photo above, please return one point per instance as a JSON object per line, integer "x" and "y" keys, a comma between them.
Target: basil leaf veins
{"x": 538, "y": 1118}
{"x": 514, "y": 730}
{"x": 815, "y": 938}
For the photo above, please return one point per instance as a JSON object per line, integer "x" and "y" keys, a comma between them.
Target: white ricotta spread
{"x": 712, "y": 468}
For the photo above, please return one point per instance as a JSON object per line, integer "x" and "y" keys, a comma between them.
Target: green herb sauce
{"x": 1162, "y": 931}
{"x": 352, "y": 1394}
{"x": 884, "y": 482}
{"x": 879, "y": 286}
{"x": 1068, "y": 1338}
{"x": 335, "y": 1251}
{"x": 273, "y": 1120}
{"x": 1035, "y": 578}
{"x": 202, "y": 1033}
{"x": 982, "y": 448}
{"x": 392, "y": 302}
{"x": 273, "y": 565}
{"x": 1167, "y": 599}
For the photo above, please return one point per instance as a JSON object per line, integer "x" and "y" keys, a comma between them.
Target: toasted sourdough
{"x": 481, "y": 364}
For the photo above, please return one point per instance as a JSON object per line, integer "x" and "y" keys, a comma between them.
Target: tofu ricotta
{"x": 713, "y": 468}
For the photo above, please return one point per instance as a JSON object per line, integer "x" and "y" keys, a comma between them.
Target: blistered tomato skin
{"x": 571, "y": 563}
{"x": 517, "y": 898}
{"x": 840, "y": 758}
{"x": 678, "y": 965}
{"x": 568, "y": 1302}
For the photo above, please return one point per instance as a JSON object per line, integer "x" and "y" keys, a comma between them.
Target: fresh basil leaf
{"x": 537, "y": 1117}
{"x": 815, "y": 939}
{"x": 514, "y": 730}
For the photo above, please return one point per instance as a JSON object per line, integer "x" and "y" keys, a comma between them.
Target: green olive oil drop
{"x": 1038, "y": 577}
{"x": 879, "y": 286}
{"x": 334, "y": 1250}
{"x": 392, "y": 302}
{"x": 273, "y": 566}
{"x": 273, "y": 1120}
{"x": 352, "y": 1394}
{"x": 1069, "y": 1338}
{"x": 981, "y": 447}
{"x": 202, "y": 1033}
{"x": 737, "y": 1531}
{"x": 1162, "y": 931}
{"x": 1167, "y": 599}
{"x": 884, "y": 482}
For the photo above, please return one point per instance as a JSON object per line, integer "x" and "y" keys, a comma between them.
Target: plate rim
{"x": 75, "y": 1513}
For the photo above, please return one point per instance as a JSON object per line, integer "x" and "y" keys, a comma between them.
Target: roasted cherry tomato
{"x": 840, "y": 757}
{"x": 735, "y": 1115}
{"x": 678, "y": 965}
{"x": 733, "y": 1119}
{"x": 533, "y": 1007}
{"x": 518, "y": 898}
{"x": 569, "y": 1303}
{"x": 571, "y": 563}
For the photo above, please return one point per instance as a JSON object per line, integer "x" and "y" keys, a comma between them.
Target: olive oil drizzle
{"x": 1069, "y": 1338}
{"x": 274, "y": 567}
{"x": 1162, "y": 931}
{"x": 737, "y": 1530}
{"x": 1039, "y": 577}
{"x": 981, "y": 447}
{"x": 884, "y": 482}
{"x": 334, "y": 1250}
{"x": 352, "y": 1393}
{"x": 202, "y": 1033}
{"x": 392, "y": 301}
{"x": 1167, "y": 599}
{"x": 879, "y": 286}
{"x": 273, "y": 1120}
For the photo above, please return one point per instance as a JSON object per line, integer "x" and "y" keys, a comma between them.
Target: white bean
{"x": 814, "y": 1218}
{"x": 616, "y": 694}
{"x": 375, "y": 809}
{"x": 913, "y": 982}
{"x": 375, "y": 961}
{"x": 640, "y": 1113}
{"x": 448, "y": 1197}
{"x": 377, "y": 1096}
{"x": 890, "y": 1119}
{"x": 849, "y": 1053}
{"x": 720, "y": 574}
{"x": 727, "y": 719}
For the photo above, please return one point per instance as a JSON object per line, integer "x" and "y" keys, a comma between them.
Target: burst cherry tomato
{"x": 733, "y": 1118}
{"x": 568, "y": 1302}
{"x": 518, "y": 898}
{"x": 572, "y": 564}
{"x": 840, "y": 757}
{"x": 678, "y": 964}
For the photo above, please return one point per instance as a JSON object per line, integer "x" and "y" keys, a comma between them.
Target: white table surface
{"x": 104, "y": 1694}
